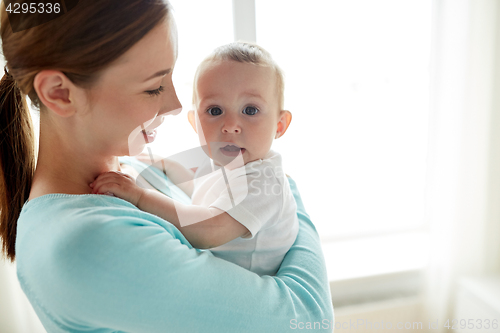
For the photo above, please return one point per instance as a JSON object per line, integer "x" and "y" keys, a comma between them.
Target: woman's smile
{"x": 149, "y": 135}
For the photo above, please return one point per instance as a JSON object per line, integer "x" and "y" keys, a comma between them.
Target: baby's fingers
{"x": 114, "y": 176}
{"x": 119, "y": 185}
{"x": 101, "y": 187}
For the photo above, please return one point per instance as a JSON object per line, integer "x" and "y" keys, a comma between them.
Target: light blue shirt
{"x": 94, "y": 263}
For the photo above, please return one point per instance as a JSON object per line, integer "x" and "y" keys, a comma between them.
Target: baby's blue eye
{"x": 215, "y": 111}
{"x": 250, "y": 110}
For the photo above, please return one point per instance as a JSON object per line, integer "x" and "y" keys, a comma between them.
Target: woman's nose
{"x": 172, "y": 105}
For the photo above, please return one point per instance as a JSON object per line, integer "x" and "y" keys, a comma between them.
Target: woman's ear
{"x": 192, "y": 119}
{"x": 283, "y": 123}
{"x": 56, "y": 92}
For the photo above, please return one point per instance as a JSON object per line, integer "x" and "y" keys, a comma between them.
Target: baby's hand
{"x": 119, "y": 184}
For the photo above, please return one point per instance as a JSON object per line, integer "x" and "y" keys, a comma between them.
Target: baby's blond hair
{"x": 246, "y": 53}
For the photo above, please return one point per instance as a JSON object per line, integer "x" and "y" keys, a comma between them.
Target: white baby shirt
{"x": 258, "y": 196}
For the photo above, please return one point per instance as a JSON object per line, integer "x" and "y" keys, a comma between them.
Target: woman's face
{"x": 134, "y": 94}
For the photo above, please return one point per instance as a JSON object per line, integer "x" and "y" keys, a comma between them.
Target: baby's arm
{"x": 176, "y": 172}
{"x": 215, "y": 228}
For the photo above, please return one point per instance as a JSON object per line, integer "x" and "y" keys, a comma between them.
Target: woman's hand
{"x": 119, "y": 184}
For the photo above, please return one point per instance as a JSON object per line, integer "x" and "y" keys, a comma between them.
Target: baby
{"x": 242, "y": 207}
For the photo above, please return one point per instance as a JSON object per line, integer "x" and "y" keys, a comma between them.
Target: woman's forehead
{"x": 154, "y": 53}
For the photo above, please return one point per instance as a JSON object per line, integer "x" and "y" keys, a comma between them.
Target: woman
{"x": 102, "y": 77}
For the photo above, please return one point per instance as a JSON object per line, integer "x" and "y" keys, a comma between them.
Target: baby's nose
{"x": 231, "y": 126}
{"x": 231, "y": 130}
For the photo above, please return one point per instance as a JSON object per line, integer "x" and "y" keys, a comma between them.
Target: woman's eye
{"x": 215, "y": 111}
{"x": 155, "y": 92}
{"x": 250, "y": 110}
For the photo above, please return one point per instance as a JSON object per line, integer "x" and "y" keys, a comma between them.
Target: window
{"x": 357, "y": 85}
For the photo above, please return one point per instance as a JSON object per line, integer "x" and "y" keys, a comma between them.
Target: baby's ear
{"x": 192, "y": 119}
{"x": 283, "y": 123}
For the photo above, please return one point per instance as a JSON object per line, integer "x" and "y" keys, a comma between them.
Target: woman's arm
{"x": 138, "y": 276}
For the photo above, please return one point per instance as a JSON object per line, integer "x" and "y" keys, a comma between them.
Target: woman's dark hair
{"x": 80, "y": 43}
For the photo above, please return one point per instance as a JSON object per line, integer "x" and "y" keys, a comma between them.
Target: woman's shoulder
{"x": 57, "y": 213}
{"x": 58, "y": 227}
{"x": 66, "y": 210}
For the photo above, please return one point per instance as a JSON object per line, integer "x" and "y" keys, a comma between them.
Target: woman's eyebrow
{"x": 160, "y": 73}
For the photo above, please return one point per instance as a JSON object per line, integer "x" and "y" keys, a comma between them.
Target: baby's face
{"x": 237, "y": 106}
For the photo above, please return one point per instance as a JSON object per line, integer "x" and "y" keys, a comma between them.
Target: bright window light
{"x": 357, "y": 84}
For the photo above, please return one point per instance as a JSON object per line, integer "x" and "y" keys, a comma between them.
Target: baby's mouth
{"x": 232, "y": 150}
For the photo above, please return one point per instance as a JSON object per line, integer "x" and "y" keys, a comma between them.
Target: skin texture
{"x": 82, "y": 132}
{"x": 231, "y": 87}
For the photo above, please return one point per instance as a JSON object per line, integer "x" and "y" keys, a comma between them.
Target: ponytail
{"x": 17, "y": 160}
